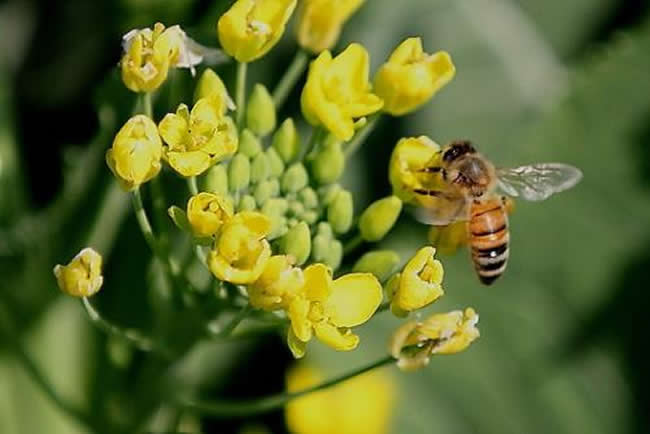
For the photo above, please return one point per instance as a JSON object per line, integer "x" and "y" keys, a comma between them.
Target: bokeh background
{"x": 564, "y": 346}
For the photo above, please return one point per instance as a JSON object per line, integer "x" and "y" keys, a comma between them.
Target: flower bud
{"x": 334, "y": 255}
{"x": 279, "y": 227}
{"x": 381, "y": 263}
{"x": 211, "y": 87}
{"x": 216, "y": 180}
{"x": 308, "y": 197}
{"x": 296, "y": 208}
{"x": 286, "y": 141}
{"x": 275, "y": 207}
{"x": 260, "y": 111}
{"x": 309, "y": 217}
{"x": 249, "y": 144}
{"x": 379, "y": 218}
{"x": 262, "y": 192}
{"x": 239, "y": 172}
{"x": 320, "y": 247}
{"x": 420, "y": 284}
{"x": 325, "y": 229}
{"x": 410, "y": 156}
{"x": 295, "y": 178}
{"x": 320, "y": 22}
{"x": 246, "y": 203}
{"x": 328, "y": 165}
{"x": 275, "y": 162}
{"x": 328, "y": 193}
{"x": 275, "y": 187}
{"x": 260, "y": 168}
{"x": 207, "y": 212}
{"x": 411, "y": 77}
{"x": 82, "y": 277}
{"x": 340, "y": 212}
{"x": 297, "y": 243}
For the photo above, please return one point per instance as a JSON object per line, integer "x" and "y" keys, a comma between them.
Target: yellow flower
{"x": 211, "y": 86}
{"x": 197, "y": 140}
{"x": 330, "y": 308}
{"x": 363, "y": 404}
{"x": 135, "y": 155}
{"x": 419, "y": 284}
{"x": 448, "y": 333}
{"x": 447, "y": 239}
{"x": 337, "y": 91}
{"x": 82, "y": 277}
{"x": 411, "y": 77}
{"x": 250, "y": 28}
{"x": 207, "y": 212}
{"x": 409, "y": 157}
{"x": 278, "y": 285}
{"x": 320, "y": 22}
{"x": 241, "y": 252}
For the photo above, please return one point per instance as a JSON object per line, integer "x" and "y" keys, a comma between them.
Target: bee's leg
{"x": 433, "y": 169}
{"x": 433, "y": 193}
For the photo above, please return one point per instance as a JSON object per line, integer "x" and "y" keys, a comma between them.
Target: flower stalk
{"x": 288, "y": 81}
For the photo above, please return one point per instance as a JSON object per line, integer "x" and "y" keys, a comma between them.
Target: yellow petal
{"x": 318, "y": 282}
{"x": 334, "y": 337}
{"x": 300, "y": 324}
{"x": 224, "y": 270}
{"x": 296, "y": 346}
{"x": 258, "y": 223}
{"x": 189, "y": 163}
{"x": 354, "y": 299}
{"x": 173, "y": 130}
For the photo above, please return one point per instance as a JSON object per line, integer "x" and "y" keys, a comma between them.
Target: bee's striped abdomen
{"x": 489, "y": 236}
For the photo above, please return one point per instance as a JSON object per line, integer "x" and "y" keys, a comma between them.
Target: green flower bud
{"x": 215, "y": 180}
{"x": 334, "y": 255}
{"x": 340, "y": 212}
{"x": 296, "y": 208}
{"x": 320, "y": 247}
{"x": 211, "y": 86}
{"x": 297, "y": 242}
{"x": 260, "y": 111}
{"x": 260, "y": 168}
{"x": 308, "y": 197}
{"x": 239, "y": 172}
{"x": 179, "y": 218}
{"x": 275, "y": 207}
{"x": 275, "y": 187}
{"x": 279, "y": 227}
{"x": 381, "y": 263}
{"x": 328, "y": 193}
{"x": 325, "y": 229}
{"x": 249, "y": 145}
{"x": 328, "y": 165}
{"x": 295, "y": 178}
{"x": 262, "y": 191}
{"x": 379, "y": 218}
{"x": 292, "y": 221}
{"x": 286, "y": 141}
{"x": 276, "y": 163}
{"x": 310, "y": 217}
{"x": 246, "y": 203}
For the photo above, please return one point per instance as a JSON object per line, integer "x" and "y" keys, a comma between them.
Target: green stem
{"x": 240, "y": 94}
{"x": 352, "y": 244}
{"x": 312, "y": 146}
{"x": 192, "y": 185}
{"x": 290, "y": 77}
{"x": 361, "y": 135}
{"x": 232, "y": 325}
{"x": 231, "y": 408}
{"x": 147, "y": 105}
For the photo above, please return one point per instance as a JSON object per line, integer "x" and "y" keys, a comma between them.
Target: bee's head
{"x": 457, "y": 149}
{"x": 467, "y": 169}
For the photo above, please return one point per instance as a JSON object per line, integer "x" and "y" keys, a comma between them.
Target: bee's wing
{"x": 442, "y": 212}
{"x": 538, "y": 181}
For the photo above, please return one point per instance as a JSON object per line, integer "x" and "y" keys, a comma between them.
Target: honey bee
{"x": 468, "y": 189}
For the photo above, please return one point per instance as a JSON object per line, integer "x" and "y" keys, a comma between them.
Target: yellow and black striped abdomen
{"x": 488, "y": 238}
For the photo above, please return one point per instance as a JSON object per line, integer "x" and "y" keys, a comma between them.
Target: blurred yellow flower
{"x": 419, "y": 284}
{"x": 337, "y": 91}
{"x": 320, "y": 22}
{"x": 329, "y": 308}
{"x": 363, "y": 404}
{"x": 135, "y": 155}
{"x": 211, "y": 87}
{"x": 241, "y": 252}
{"x": 410, "y": 156}
{"x": 447, "y": 239}
{"x": 411, "y": 77}
{"x": 207, "y": 212}
{"x": 197, "y": 140}
{"x": 250, "y": 28}
{"x": 82, "y": 277}
{"x": 278, "y": 285}
{"x": 413, "y": 343}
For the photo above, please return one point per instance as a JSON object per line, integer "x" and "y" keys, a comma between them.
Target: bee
{"x": 468, "y": 188}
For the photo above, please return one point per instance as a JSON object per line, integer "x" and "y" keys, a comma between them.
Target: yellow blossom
{"x": 362, "y": 404}
{"x": 337, "y": 91}
{"x": 447, "y": 239}
{"x": 211, "y": 86}
{"x": 410, "y": 156}
{"x": 135, "y": 155}
{"x": 320, "y": 22}
{"x": 250, "y": 28}
{"x": 329, "y": 308}
{"x": 419, "y": 284}
{"x": 413, "y": 343}
{"x": 197, "y": 140}
{"x": 82, "y": 277}
{"x": 278, "y": 285}
{"x": 207, "y": 212}
{"x": 148, "y": 55}
{"x": 411, "y": 77}
{"x": 241, "y": 252}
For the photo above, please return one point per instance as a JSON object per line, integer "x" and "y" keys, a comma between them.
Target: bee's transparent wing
{"x": 538, "y": 181}
{"x": 441, "y": 212}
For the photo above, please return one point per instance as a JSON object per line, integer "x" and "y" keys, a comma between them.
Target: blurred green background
{"x": 564, "y": 332}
